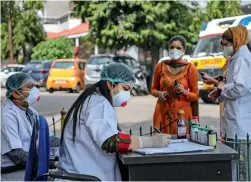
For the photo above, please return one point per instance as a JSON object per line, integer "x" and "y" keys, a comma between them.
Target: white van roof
{"x": 218, "y": 26}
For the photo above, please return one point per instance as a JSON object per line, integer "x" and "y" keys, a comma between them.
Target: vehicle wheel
{"x": 77, "y": 89}
{"x": 146, "y": 93}
{"x": 51, "y": 90}
{"x": 133, "y": 93}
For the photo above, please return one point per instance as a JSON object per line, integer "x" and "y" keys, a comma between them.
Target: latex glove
{"x": 155, "y": 141}
{"x": 163, "y": 95}
{"x": 209, "y": 80}
{"x": 214, "y": 94}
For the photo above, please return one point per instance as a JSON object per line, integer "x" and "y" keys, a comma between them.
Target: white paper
{"x": 176, "y": 146}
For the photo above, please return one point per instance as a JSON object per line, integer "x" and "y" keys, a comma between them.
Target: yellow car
{"x": 66, "y": 74}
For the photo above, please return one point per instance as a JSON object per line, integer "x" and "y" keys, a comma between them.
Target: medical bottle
{"x": 205, "y": 136}
{"x": 196, "y": 120}
{"x": 196, "y": 133}
{"x": 192, "y": 130}
{"x": 212, "y": 137}
{"x": 181, "y": 125}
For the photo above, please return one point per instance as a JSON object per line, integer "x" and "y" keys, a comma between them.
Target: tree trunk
{"x": 10, "y": 40}
{"x": 155, "y": 59}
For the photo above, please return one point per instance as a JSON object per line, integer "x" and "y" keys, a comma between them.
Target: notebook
{"x": 175, "y": 146}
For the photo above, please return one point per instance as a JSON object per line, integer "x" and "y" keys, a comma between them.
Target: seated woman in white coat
{"x": 18, "y": 119}
{"x": 90, "y": 137}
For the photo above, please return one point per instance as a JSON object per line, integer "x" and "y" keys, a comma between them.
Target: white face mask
{"x": 175, "y": 54}
{"x": 228, "y": 51}
{"x": 34, "y": 96}
{"x": 120, "y": 99}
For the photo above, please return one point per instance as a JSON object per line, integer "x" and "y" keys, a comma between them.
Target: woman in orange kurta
{"x": 170, "y": 78}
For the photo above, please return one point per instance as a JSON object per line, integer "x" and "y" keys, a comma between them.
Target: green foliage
{"x": 60, "y": 48}
{"x": 222, "y": 9}
{"x": 123, "y": 23}
{"x": 149, "y": 24}
{"x": 27, "y": 30}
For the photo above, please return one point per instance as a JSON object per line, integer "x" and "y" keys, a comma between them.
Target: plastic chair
{"x": 34, "y": 164}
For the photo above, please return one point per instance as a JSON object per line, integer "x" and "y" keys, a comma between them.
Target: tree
{"x": 7, "y": 12}
{"x": 87, "y": 45}
{"x": 60, "y": 48}
{"x": 26, "y": 29}
{"x": 222, "y": 9}
{"x": 147, "y": 24}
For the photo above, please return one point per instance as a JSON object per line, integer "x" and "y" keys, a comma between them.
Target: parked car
{"x": 96, "y": 62}
{"x": 67, "y": 74}
{"x": 38, "y": 70}
{"x": 8, "y": 70}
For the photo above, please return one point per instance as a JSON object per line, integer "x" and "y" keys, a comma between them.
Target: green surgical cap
{"x": 118, "y": 73}
{"x": 16, "y": 82}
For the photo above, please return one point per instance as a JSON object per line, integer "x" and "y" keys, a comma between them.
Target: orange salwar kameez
{"x": 166, "y": 111}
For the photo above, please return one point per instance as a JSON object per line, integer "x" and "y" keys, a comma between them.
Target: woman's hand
{"x": 214, "y": 94}
{"x": 163, "y": 95}
{"x": 209, "y": 80}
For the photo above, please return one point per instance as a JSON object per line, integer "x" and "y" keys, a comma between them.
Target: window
{"x": 81, "y": 66}
{"x": 34, "y": 65}
{"x": 208, "y": 46}
{"x": 64, "y": 65}
{"x": 100, "y": 60}
{"x": 135, "y": 63}
{"x": 124, "y": 60}
{"x": 6, "y": 68}
{"x": 47, "y": 64}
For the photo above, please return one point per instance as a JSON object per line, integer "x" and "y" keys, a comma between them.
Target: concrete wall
{"x": 56, "y": 8}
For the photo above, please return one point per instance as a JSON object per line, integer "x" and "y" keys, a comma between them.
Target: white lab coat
{"x": 236, "y": 94}
{"x": 16, "y": 131}
{"x": 97, "y": 123}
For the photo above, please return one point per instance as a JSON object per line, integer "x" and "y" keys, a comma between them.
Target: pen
{"x": 156, "y": 129}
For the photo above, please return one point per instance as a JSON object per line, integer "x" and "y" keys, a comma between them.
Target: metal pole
{"x": 54, "y": 126}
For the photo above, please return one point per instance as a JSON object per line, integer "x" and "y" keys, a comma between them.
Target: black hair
{"x": 75, "y": 110}
{"x": 178, "y": 38}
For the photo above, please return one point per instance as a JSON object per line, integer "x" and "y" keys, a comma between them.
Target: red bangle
{"x": 124, "y": 142}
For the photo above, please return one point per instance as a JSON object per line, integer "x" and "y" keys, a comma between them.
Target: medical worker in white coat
{"x": 90, "y": 137}
{"x": 18, "y": 119}
{"x": 236, "y": 94}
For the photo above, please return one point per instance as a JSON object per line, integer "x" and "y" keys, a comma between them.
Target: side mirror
{"x": 6, "y": 71}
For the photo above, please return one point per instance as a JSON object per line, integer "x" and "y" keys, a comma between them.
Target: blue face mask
{"x": 121, "y": 98}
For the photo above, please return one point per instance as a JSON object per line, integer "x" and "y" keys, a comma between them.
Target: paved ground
{"x": 138, "y": 112}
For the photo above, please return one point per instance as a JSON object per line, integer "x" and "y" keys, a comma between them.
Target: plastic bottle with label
{"x": 205, "y": 131}
{"x": 196, "y": 133}
{"x": 192, "y": 133}
{"x": 200, "y": 134}
{"x": 181, "y": 126}
{"x": 212, "y": 137}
